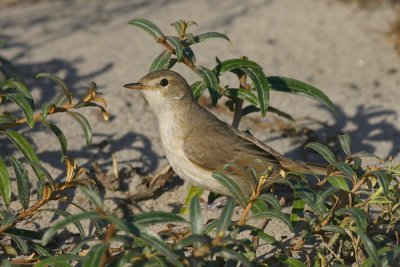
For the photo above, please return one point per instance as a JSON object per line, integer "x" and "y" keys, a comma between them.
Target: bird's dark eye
{"x": 164, "y": 82}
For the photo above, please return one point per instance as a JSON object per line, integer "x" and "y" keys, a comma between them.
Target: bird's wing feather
{"x": 234, "y": 146}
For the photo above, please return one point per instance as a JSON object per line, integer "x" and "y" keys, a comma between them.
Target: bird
{"x": 197, "y": 143}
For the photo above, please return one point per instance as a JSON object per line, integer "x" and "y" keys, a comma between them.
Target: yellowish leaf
{"x": 71, "y": 168}
{"x": 47, "y": 190}
{"x": 99, "y": 99}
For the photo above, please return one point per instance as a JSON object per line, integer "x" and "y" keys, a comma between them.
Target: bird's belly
{"x": 193, "y": 174}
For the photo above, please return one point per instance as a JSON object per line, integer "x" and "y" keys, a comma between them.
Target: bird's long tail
{"x": 303, "y": 167}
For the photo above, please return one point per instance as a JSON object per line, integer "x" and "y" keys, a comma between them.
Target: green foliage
{"x": 179, "y": 49}
{"x": 213, "y": 242}
{"x": 337, "y": 211}
{"x": 16, "y": 241}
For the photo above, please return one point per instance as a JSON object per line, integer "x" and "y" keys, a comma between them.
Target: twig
{"x": 108, "y": 235}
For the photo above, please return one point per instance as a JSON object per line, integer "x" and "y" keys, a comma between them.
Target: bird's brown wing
{"x": 284, "y": 163}
{"x": 225, "y": 145}
{"x": 235, "y": 146}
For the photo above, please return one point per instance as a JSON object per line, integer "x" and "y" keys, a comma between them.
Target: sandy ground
{"x": 339, "y": 48}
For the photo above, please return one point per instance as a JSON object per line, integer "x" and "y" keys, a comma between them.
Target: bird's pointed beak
{"x": 136, "y": 86}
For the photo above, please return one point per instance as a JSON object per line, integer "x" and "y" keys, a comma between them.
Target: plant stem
{"x": 245, "y": 213}
{"x": 108, "y": 235}
{"x": 237, "y": 115}
{"x": 25, "y": 214}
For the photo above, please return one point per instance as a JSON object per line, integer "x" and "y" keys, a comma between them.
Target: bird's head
{"x": 163, "y": 88}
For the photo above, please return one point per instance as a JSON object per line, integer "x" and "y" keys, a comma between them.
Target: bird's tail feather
{"x": 303, "y": 167}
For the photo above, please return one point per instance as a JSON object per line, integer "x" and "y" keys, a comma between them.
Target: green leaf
{"x": 191, "y": 240}
{"x": 175, "y": 42}
{"x": 369, "y": 247}
{"x": 262, "y": 87}
{"x": 157, "y": 243}
{"x": 359, "y": 216}
{"x": 5, "y": 188}
{"x": 153, "y": 217}
{"x": 264, "y": 236}
{"x": 272, "y": 200}
{"x": 273, "y": 214}
{"x": 236, "y": 63}
{"x": 95, "y": 256}
{"x": 212, "y": 82}
{"x": 259, "y": 206}
{"x": 83, "y": 122}
{"x": 147, "y": 26}
{"x": 162, "y": 61}
{"x": 29, "y": 234}
{"x": 82, "y": 104}
{"x": 207, "y": 35}
{"x": 289, "y": 85}
{"x": 210, "y": 226}
{"x": 193, "y": 190}
{"x": 60, "y": 99}
{"x": 21, "y": 244}
{"x": 346, "y": 170}
{"x": 6, "y": 118}
{"x": 70, "y": 219}
{"x": 256, "y": 74}
{"x": 357, "y": 163}
{"x": 59, "y": 82}
{"x": 59, "y": 134}
{"x": 249, "y": 109}
{"x": 339, "y": 182}
{"x": 121, "y": 225}
{"x": 323, "y": 194}
{"x": 231, "y": 254}
{"x": 78, "y": 246}
{"x": 323, "y": 151}
{"x": 244, "y": 94}
{"x": 334, "y": 229}
{"x": 7, "y": 218}
{"x": 225, "y": 218}
{"x": 25, "y": 104}
{"x": 63, "y": 258}
{"x": 388, "y": 259}
{"x": 304, "y": 192}
{"x": 26, "y": 149}
{"x": 198, "y": 88}
{"x": 196, "y": 218}
{"x": 41, "y": 251}
{"x": 364, "y": 154}
{"x": 280, "y": 113}
{"x": 6, "y": 263}
{"x": 391, "y": 257}
{"x": 297, "y": 212}
{"x": 290, "y": 261}
{"x": 45, "y": 173}
{"x": 22, "y": 181}
{"x": 66, "y": 214}
{"x": 189, "y": 54}
{"x": 232, "y": 187}
{"x": 92, "y": 196}
{"x": 383, "y": 179}
{"x": 345, "y": 142}
{"x": 45, "y": 110}
{"x": 18, "y": 86}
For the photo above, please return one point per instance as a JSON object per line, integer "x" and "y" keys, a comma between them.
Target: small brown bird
{"x": 197, "y": 144}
